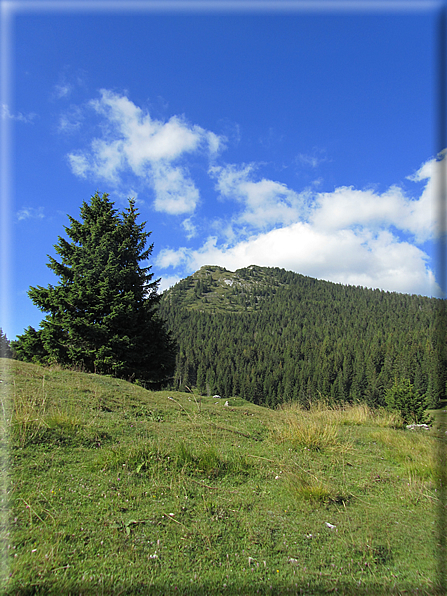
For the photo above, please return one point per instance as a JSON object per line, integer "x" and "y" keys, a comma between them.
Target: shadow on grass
{"x": 241, "y": 589}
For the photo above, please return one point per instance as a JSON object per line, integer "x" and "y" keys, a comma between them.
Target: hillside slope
{"x": 272, "y": 335}
{"x": 112, "y": 489}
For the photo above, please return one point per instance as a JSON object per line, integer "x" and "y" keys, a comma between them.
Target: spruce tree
{"x": 102, "y": 315}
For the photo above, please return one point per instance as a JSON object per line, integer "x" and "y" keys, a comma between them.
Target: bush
{"x": 403, "y": 398}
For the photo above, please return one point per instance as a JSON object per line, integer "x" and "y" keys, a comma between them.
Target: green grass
{"x": 112, "y": 489}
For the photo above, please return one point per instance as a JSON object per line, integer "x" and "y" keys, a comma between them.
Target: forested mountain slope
{"x": 271, "y": 335}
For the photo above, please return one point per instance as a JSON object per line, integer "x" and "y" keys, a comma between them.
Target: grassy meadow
{"x": 112, "y": 489}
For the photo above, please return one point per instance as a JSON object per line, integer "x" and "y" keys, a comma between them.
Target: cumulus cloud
{"x": 344, "y": 256}
{"x": 175, "y": 192}
{"x": 433, "y": 196}
{"x": 265, "y": 202}
{"x": 79, "y": 164}
{"x": 347, "y": 236}
{"x": 352, "y": 236}
{"x": 168, "y": 282}
{"x": 150, "y": 149}
{"x": 169, "y": 257}
{"x": 347, "y": 207}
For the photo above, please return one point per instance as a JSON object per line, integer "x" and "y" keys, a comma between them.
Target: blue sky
{"x": 297, "y": 139}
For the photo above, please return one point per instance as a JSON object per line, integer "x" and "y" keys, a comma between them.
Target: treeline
{"x": 5, "y": 346}
{"x": 290, "y": 337}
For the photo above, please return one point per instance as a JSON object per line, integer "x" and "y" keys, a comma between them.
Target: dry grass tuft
{"x": 317, "y": 427}
{"x": 347, "y": 414}
{"x": 302, "y": 429}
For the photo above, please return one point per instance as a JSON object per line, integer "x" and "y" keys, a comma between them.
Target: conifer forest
{"x": 273, "y": 336}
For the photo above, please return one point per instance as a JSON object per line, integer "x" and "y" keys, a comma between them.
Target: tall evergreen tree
{"x": 102, "y": 315}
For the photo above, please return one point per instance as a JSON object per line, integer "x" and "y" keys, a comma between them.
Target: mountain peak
{"x": 216, "y": 289}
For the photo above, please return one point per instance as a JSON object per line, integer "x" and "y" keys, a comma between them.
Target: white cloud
{"x": 30, "y": 213}
{"x": 344, "y": 257}
{"x": 434, "y": 193}
{"x": 175, "y": 192}
{"x": 167, "y": 282}
{"x": 149, "y": 149}
{"x": 79, "y": 164}
{"x": 189, "y": 228}
{"x": 266, "y": 202}
{"x": 143, "y": 139}
{"x": 356, "y": 236}
{"x": 347, "y": 207}
{"x": 216, "y": 143}
{"x": 70, "y": 120}
{"x": 309, "y": 160}
{"x": 19, "y": 117}
{"x": 69, "y": 83}
{"x": 63, "y": 90}
{"x": 169, "y": 257}
{"x": 108, "y": 159}
{"x": 347, "y": 236}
